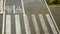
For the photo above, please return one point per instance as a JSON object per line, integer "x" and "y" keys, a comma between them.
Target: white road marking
{"x": 43, "y": 24}
{"x": 52, "y": 16}
{"x": 8, "y": 24}
{"x": 27, "y": 27}
{"x": 17, "y": 23}
{"x": 8, "y": 9}
{"x": 3, "y": 22}
{"x": 51, "y": 24}
{"x": 14, "y": 8}
{"x": 23, "y": 8}
{"x": 18, "y": 9}
{"x": 0, "y": 5}
{"x": 3, "y": 19}
{"x": 35, "y": 24}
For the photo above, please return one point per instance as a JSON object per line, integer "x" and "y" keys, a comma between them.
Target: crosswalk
{"x": 8, "y": 24}
{"x": 18, "y": 26}
{"x": 43, "y": 24}
{"x": 51, "y": 24}
{"x": 27, "y": 26}
{"x": 35, "y": 24}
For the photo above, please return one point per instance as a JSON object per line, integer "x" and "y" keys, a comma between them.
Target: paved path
{"x": 32, "y": 24}
{"x": 37, "y": 19}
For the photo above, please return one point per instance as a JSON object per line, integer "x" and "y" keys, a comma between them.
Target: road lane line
{"x": 35, "y": 24}
{"x": 8, "y": 24}
{"x": 23, "y": 8}
{"x": 52, "y": 16}
{"x": 17, "y": 23}
{"x": 27, "y": 27}
{"x": 14, "y": 8}
{"x": 43, "y": 24}
{"x": 3, "y": 18}
{"x": 51, "y": 24}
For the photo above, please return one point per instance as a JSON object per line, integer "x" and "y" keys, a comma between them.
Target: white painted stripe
{"x": 0, "y": 4}
{"x": 23, "y": 8}
{"x": 52, "y": 16}
{"x": 1, "y": 7}
{"x": 3, "y": 19}
{"x": 59, "y": 32}
{"x": 8, "y": 24}
{"x": 35, "y": 24}
{"x": 51, "y": 24}
{"x": 17, "y": 23}
{"x": 3, "y": 23}
{"x": 43, "y": 24}
{"x": 14, "y": 8}
{"x": 27, "y": 27}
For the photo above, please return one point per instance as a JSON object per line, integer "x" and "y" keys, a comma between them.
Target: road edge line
{"x": 3, "y": 19}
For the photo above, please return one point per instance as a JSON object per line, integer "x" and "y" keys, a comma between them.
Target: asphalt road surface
{"x": 37, "y": 19}
{"x": 56, "y": 14}
{"x": 1, "y": 20}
